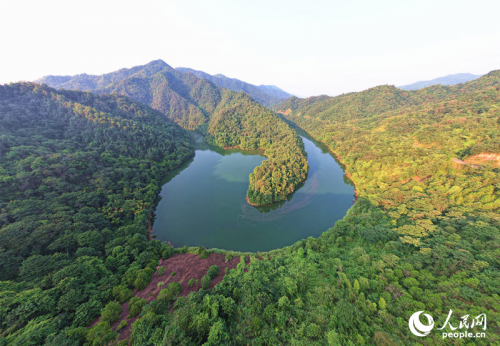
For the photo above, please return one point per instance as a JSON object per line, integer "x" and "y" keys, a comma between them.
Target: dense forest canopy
{"x": 414, "y": 153}
{"x": 228, "y": 117}
{"x": 79, "y": 175}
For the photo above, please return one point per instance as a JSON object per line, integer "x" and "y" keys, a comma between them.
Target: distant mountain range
{"x": 451, "y": 79}
{"x": 182, "y": 97}
{"x": 266, "y": 95}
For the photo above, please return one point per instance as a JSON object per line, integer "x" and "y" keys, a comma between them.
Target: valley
{"x": 82, "y": 172}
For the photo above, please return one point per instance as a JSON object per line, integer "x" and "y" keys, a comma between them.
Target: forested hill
{"x": 429, "y": 162}
{"x": 182, "y": 97}
{"x": 380, "y": 99}
{"x": 266, "y": 95}
{"x": 79, "y": 175}
{"x": 86, "y": 82}
{"x": 229, "y": 118}
{"x": 451, "y": 79}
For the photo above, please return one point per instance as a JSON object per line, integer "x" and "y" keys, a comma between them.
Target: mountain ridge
{"x": 266, "y": 95}
{"x": 451, "y": 79}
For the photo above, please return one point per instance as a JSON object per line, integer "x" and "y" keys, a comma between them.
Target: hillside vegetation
{"x": 79, "y": 175}
{"x": 422, "y": 236}
{"x": 228, "y": 118}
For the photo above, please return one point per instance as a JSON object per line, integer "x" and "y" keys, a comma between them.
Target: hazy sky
{"x": 304, "y": 47}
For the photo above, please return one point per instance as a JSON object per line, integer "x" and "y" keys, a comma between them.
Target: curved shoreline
{"x": 252, "y": 204}
{"x": 149, "y": 234}
{"x": 356, "y": 195}
{"x": 264, "y": 154}
{"x": 345, "y": 173}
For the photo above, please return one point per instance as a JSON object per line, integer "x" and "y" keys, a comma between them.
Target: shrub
{"x": 111, "y": 312}
{"x": 122, "y": 325}
{"x": 122, "y": 293}
{"x": 213, "y": 271}
{"x": 101, "y": 334}
{"x": 140, "y": 284}
{"x": 85, "y": 313}
{"x": 160, "y": 284}
{"x": 228, "y": 258}
{"x": 192, "y": 282}
{"x": 382, "y": 304}
{"x": 283, "y": 303}
{"x": 313, "y": 331}
{"x": 236, "y": 294}
{"x": 173, "y": 274}
{"x": 143, "y": 278}
{"x": 167, "y": 252}
{"x": 204, "y": 254}
{"x": 135, "y": 306}
{"x": 171, "y": 292}
{"x": 78, "y": 333}
{"x": 256, "y": 324}
{"x": 218, "y": 334}
{"x": 161, "y": 271}
{"x": 205, "y": 282}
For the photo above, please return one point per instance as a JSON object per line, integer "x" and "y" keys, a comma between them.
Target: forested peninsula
{"x": 228, "y": 118}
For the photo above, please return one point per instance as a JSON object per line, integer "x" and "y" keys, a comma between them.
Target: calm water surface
{"x": 203, "y": 201}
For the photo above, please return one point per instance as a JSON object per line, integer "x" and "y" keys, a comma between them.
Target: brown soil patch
{"x": 417, "y": 144}
{"x": 252, "y": 204}
{"x": 287, "y": 112}
{"x": 185, "y": 266}
{"x": 485, "y": 157}
{"x": 416, "y": 178}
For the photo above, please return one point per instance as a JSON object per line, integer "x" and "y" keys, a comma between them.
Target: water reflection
{"x": 203, "y": 201}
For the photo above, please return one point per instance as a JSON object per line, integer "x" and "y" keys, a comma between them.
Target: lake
{"x": 202, "y": 203}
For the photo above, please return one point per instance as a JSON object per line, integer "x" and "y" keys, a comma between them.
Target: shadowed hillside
{"x": 228, "y": 118}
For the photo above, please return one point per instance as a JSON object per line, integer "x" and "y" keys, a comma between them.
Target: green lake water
{"x": 202, "y": 203}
